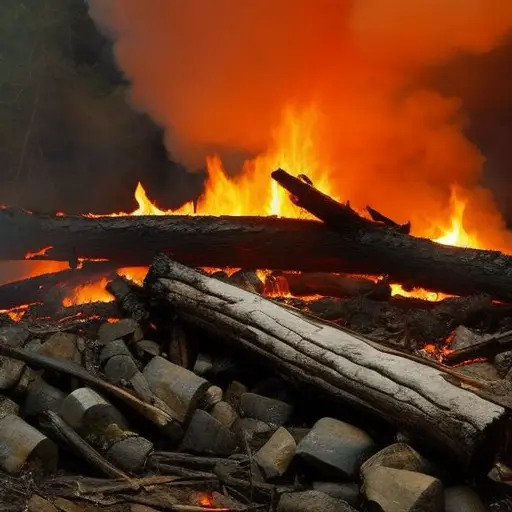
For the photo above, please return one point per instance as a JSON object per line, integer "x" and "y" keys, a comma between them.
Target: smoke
{"x": 217, "y": 75}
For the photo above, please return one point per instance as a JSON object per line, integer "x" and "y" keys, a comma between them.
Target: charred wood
{"x": 130, "y": 297}
{"x": 376, "y": 249}
{"x": 340, "y": 364}
{"x": 51, "y": 287}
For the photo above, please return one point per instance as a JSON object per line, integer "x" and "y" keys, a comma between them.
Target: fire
{"x": 41, "y": 252}
{"x": 89, "y": 292}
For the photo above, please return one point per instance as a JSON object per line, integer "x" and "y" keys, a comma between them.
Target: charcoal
{"x": 130, "y": 453}
{"x": 345, "y": 491}
{"x": 126, "y": 329}
{"x": 42, "y": 396}
{"x": 224, "y": 413}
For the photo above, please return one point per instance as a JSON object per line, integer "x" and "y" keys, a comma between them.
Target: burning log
{"x": 332, "y": 285}
{"x": 413, "y": 395}
{"x": 373, "y": 248}
{"x": 53, "y": 287}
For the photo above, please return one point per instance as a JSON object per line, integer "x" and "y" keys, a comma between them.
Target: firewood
{"x": 342, "y": 365}
{"x": 373, "y": 248}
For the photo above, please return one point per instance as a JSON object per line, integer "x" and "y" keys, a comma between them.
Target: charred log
{"x": 53, "y": 287}
{"x": 130, "y": 297}
{"x": 358, "y": 246}
{"x": 339, "y": 364}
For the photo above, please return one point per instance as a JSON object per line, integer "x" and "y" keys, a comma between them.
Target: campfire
{"x": 349, "y": 306}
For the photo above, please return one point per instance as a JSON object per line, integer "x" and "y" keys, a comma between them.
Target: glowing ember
{"x": 16, "y": 314}
{"x": 42, "y": 252}
{"x": 135, "y": 274}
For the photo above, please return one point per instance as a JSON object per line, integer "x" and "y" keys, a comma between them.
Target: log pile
{"x": 203, "y": 389}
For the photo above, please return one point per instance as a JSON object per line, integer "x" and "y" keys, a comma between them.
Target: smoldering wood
{"x": 51, "y": 287}
{"x": 330, "y": 285}
{"x": 488, "y": 348}
{"x": 343, "y": 365}
{"x": 379, "y": 217}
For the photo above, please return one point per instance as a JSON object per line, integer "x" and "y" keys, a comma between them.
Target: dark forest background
{"x": 69, "y": 140}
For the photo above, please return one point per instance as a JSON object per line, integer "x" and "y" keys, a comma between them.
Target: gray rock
{"x": 248, "y": 280}
{"x": 125, "y": 328}
{"x": 206, "y": 435}
{"x": 120, "y": 368}
{"x": 311, "y": 501}
{"x": 14, "y": 335}
{"x": 62, "y": 345}
{"x": 251, "y": 427}
{"x": 399, "y": 456}
{"x": 276, "y": 455}
{"x": 176, "y": 386}
{"x": 130, "y": 454}
{"x": 265, "y": 409}
{"x": 348, "y": 492}
{"x": 224, "y": 412}
{"x": 462, "y": 498}
{"x": 335, "y": 448}
{"x": 398, "y": 490}
{"x": 464, "y": 338}
{"x": 503, "y": 362}
{"x": 481, "y": 370}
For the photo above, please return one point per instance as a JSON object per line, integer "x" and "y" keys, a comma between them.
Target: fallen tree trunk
{"x": 261, "y": 243}
{"x": 342, "y": 365}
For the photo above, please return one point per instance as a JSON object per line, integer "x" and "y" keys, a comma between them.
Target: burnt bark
{"x": 340, "y": 364}
{"x": 364, "y": 247}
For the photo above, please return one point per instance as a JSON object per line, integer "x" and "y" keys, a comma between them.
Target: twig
{"x": 82, "y": 448}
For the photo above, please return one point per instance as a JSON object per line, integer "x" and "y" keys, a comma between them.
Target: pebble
{"x": 276, "y": 455}
{"x": 62, "y": 345}
{"x": 335, "y": 448}
{"x": 462, "y": 498}
{"x": 398, "y": 456}
{"x": 396, "y": 490}
{"x": 265, "y": 409}
{"x": 206, "y": 435}
{"x": 348, "y": 492}
{"x": 311, "y": 501}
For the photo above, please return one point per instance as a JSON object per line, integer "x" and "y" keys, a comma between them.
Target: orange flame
{"x": 41, "y": 252}
{"x": 89, "y": 292}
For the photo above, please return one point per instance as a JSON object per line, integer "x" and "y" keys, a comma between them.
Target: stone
{"x": 265, "y": 409}
{"x": 464, "y": 338}
{"x": 462, "y": 498}
{"x": 251, "y": 427}
{"x": 276, "y": 455}
{"x": 399, "y": 456}
{"x": 130, "y": 454}
{"x": 224, "y": 412}
{"x": 126, "y": 328}
{"x": 335, "y": 448}
{"x": 205, "y": 435}
{"x": 120, "y": 368}
{"x": 311, "y": 501}
{"x": 136, "y": 507}
{"x": 38, "y": 504}
{"x": 62, "y": 345}
{"x": 298, "y": 433}
{"x": 503, "y": 362}
{"x": 348, "y": 492}
{"x": 248, "y": 280}
{"x": 483, "y": 370}
{"x": 14, "y": 335}
{"x": 398, "y": 490}
{"x": 181, "y": 389}
{"x": 112, "y": 349}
